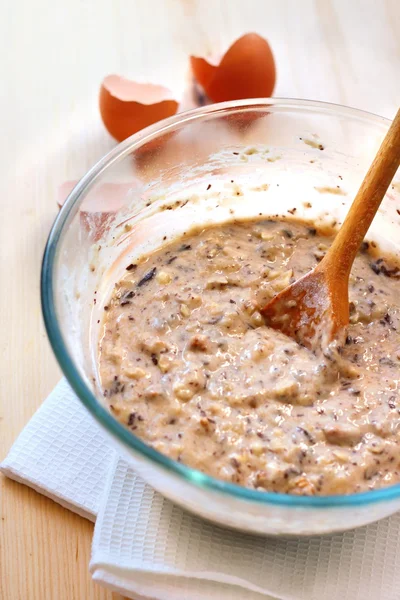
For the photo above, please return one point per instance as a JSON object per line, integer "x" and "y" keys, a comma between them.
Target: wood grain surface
{"x": 53, "y": 56}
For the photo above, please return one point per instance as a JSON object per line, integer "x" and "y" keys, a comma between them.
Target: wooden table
{"x": 53, "y": 57}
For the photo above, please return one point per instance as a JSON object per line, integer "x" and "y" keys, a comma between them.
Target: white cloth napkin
{"x": 62, "y": 453}
{"x": 145, "y": 547}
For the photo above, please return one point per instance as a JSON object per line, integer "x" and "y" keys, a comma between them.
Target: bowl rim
{"x": 66, "y": 362}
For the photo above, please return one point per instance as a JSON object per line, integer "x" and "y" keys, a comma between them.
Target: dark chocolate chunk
{"x": 149, "y": 275}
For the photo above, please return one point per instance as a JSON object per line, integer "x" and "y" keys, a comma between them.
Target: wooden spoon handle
{"x": 370, "y": 195}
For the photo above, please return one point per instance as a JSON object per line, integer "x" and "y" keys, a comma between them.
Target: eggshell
{"x": 127, "y": 106}
{"x": 98, "y": 211}
{"x": 247, "y": 70}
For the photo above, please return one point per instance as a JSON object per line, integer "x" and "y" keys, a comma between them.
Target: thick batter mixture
{"x": 187, "y": 363}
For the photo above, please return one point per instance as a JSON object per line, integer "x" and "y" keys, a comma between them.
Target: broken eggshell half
{"x": 127, "y": 106}
{"x": 246, "y": 70}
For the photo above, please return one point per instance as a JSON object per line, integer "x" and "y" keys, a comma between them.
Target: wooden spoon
{"x": 315, "y": 309}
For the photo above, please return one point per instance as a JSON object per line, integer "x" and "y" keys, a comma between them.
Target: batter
{"x": 187, "y": 363}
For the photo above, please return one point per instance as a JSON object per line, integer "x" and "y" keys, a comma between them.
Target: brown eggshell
{"x": 247, "y": 70}
{"x": 127, "y": 106}
{"x": 203, "y": 70}
{"x": 99, "y": 209}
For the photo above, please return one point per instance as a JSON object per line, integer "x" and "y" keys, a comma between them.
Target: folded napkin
{"x": 146, "y": 547}
{"x": 62, "y": 453}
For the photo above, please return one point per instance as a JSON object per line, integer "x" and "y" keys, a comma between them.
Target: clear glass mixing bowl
{"x": 260, "y": 157}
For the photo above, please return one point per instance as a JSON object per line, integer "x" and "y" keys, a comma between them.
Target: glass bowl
{"x": 280, "y": 155}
